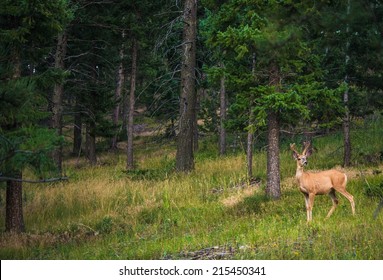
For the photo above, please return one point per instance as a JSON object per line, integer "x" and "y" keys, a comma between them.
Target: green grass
{"x": 104, "y": 212}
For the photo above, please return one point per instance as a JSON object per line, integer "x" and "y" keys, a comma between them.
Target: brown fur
{"x": 324, "y": 182}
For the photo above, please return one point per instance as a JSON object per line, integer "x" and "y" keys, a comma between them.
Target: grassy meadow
{"x": 104, "y": 212}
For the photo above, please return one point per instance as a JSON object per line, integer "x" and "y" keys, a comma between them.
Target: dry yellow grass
{"x": 239, "y": 196}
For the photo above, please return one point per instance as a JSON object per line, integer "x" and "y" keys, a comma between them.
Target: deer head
{"x": 301, "y": 158}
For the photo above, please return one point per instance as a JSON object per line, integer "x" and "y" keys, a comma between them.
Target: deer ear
{"x": 309, "y": 152}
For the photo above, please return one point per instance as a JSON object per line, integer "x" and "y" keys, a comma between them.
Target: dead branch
{"x": 48, "y": 180}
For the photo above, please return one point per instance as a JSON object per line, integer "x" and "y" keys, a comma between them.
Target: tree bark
{"x": 346, "y": 119}
{"x": 57, "y": 99}
{"x": 249, "y": 150}
{"x": 195, "y": 125}
{"x": 91, "y": 143}
{"x": 223, "y": 115}
{"x": 273, "y": 188}
{"x": 14, "y": 219}
{"x": 250, "y": 132}
{"x": 130, "y": 161}
{"x": 185, "y": 155}
{"x": 346, "y": 132}
{"x": 77, "y": 131}
{"x": 125, "y": 111}
{"x": 117, "y": 96}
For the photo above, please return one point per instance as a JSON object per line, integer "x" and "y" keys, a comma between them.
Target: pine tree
{"x": 187, "y": 122}
{"x": 93, "y": 52}
{"x": 28, "y": 30}
{"x": 287, "y": 73}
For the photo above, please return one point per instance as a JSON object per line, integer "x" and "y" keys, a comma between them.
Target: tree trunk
{"x": 130, "y": 162}
{"x": 91, "y": 143}
{"x": 346, "y": 132}
{"x": 117, "y": 96}
{"x": 249, "y": 150}
{"x": 223, "y": 115}
{"x": 57, "y": 98}
{"x": 77, "y": 131}
{"x": 14, "y": 219}
{"x": 195, "y": 125}
{"x": 185, "y": 155}
{"x": 346, "y": 119}
{"x": 273, "y": 188}
{"x": 125, "y": 112}
{"x": 250, "y": 132}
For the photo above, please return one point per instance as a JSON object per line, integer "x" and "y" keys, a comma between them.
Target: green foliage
{"x": 347, "y": 40}
{"x": 24, "y": 22}
{"x": 289, "y": 103}
{"x": 17, "y": 102}
{"x": 29, "y": 147}
{"x": 105, "y": 226}
{"x": 28, "y": 29}
{"x": 373, "y": 187}
{"x": 264, "y": 34}
{"x": 23, "y": 142}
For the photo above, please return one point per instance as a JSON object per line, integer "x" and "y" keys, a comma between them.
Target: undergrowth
{"x": 152, "y": 212}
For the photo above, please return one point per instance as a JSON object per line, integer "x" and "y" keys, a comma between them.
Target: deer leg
{"x": 349, "y": 197}
{"x": 307, "y": 201}
{"x": 334, "y": 202}
{"x": 311, "y": 205}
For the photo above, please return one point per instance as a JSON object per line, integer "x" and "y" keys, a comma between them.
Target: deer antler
{"x": 306, "y": 150}
{"x": 292, "y": 147}
{"x": 295, "y": 152}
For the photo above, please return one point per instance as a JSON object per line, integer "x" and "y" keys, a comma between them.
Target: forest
{"x": 139, "y": 129}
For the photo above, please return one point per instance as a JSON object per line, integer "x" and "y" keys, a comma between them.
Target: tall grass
{"x": 104, "y": 212}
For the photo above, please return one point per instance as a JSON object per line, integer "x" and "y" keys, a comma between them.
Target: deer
{"x": 319, "y": 183}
